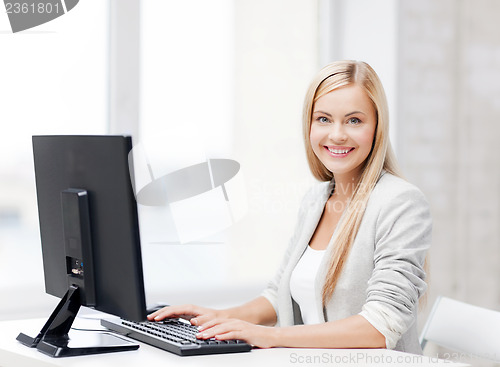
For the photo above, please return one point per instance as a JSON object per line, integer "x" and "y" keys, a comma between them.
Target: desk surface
{"x": 13, "y": 353}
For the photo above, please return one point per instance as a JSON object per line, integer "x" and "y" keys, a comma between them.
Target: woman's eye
{"x": 323, "y": 120}
{"x": 353, "y": 121}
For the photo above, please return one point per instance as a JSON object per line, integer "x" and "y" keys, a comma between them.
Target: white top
{"x": 302, "y": 285}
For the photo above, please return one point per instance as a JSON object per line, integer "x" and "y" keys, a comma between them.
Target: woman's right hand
{"x": 196, "y": 314}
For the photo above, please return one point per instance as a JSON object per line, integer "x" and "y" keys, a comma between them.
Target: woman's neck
{"x": 345, "y": 185}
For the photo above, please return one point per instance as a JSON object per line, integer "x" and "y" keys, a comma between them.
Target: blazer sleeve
{"x": 403, "y": 236}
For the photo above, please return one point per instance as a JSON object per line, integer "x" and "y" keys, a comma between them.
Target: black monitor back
{"x": 99, "y": 165}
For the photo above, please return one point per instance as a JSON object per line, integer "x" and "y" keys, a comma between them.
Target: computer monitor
{"x": 89, "y": 234}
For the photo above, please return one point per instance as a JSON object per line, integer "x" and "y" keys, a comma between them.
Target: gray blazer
{"x": 383, "y": 277}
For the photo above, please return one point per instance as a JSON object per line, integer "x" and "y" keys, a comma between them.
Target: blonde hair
{"x": 381, "y": 157}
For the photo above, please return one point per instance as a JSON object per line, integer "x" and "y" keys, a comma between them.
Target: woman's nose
{"x": 337, "y": 133}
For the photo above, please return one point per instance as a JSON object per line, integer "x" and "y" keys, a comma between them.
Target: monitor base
{"x": 54, "y": 340}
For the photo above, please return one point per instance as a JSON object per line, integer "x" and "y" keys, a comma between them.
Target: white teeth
{"x": 339, "y": 151}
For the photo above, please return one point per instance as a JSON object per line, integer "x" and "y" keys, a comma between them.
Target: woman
{"x": 354, "y": 269}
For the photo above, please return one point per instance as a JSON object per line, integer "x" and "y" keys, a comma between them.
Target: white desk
{"x": 12, "y": 353}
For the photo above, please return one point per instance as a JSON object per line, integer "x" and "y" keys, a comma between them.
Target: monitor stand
{"x": 53, "y": 339}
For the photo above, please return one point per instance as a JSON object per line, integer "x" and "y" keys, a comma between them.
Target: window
{"x": 54, "y": 81}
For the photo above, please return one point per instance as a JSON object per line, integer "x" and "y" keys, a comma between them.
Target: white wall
{"x": 448, "y": 88}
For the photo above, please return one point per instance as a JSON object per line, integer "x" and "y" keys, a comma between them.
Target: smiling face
{"x": 342, "y": 130}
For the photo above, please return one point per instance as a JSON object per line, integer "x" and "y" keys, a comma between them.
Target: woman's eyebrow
{"x": 322, "y": 112}
{"x": 355, "y": 112}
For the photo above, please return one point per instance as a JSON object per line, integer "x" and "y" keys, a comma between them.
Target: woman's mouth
{"x": 339, "y": 152}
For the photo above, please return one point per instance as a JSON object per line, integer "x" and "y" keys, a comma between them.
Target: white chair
{"x": 463, "y": 328}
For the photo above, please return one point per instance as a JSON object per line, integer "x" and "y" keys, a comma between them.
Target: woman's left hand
{"x": 223, "y": 329}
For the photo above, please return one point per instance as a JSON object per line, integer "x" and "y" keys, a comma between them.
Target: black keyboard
{"x": 174, "y": 335}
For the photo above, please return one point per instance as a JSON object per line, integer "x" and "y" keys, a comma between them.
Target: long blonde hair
{"x": 381, "y": 157}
